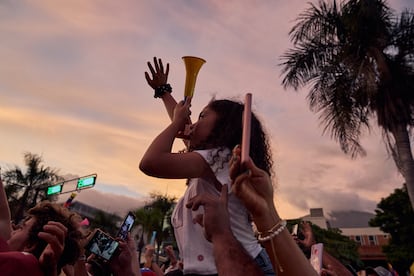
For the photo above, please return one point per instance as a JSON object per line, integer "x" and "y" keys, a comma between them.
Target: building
{"x": 369, "y": 239}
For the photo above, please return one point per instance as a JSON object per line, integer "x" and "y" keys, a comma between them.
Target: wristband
{"x": 162, "y": 89}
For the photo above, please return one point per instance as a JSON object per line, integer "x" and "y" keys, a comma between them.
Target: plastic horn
{"x": 192, "y": 66}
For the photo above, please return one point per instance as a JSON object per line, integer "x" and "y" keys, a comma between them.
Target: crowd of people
{"x": 212, "y": 221}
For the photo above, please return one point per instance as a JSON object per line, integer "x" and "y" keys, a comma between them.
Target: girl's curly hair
{"x": 228, "y": 129}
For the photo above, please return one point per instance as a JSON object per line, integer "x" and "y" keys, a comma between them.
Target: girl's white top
{"x": 195, "y": 250}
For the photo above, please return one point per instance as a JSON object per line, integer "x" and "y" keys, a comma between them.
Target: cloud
{"x": 108, "y": 202}
{"x": 73, "y": 89}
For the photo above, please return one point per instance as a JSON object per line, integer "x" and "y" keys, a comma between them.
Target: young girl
{"x": 206, "y": 165}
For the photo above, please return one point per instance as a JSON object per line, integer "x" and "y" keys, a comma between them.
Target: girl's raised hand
{"x": 159, "y": 77}
{"x": 182, "y": 114}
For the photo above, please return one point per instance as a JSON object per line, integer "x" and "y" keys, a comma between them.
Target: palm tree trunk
{"x": 405, "y": 160}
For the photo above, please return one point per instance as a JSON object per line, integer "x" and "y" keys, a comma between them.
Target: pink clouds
{"x": 73, "y": 89}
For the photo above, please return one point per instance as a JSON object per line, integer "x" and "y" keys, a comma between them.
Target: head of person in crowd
{"x": 225, "y": 128}
{"x": 25, "y": 236}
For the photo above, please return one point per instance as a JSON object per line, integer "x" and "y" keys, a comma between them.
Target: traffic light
{"x": 86, "y": 182}
{"x": 55, "y": 189}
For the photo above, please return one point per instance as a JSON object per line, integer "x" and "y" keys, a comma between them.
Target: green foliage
{"x": 25, "y": 189}
{"x": 394, "y": 215}
{"x": 106, "y": 222}
{"x": 156, "y": 216}
{"x": 343, "y": 52}
{"x": 338, "y": 245}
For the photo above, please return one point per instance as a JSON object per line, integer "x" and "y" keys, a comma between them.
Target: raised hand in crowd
{"x": 159, "y": 81}
{"x": 126, "y": 261}
{"x": 149, "y": 260}
{"x": 230, "y": 257}
{"x": 254, "y": 187}
{"x": 331, "y": 265}
{"x": 54, "y": 233}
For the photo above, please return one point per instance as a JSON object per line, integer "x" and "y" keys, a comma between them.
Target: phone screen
{"x": 102, "y": 245}
{"x": 126, "y": 226}
{"x": 316, "y": 257}
{"x": 295, "y": 230}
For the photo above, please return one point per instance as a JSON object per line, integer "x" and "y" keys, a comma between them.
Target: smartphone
{"x": 126, "y": 226}
{"x": 102, "y": 245}
{"x": 247, "y": 117}
{"x": 295, "y": 230}
{"x": 316, "y": 257}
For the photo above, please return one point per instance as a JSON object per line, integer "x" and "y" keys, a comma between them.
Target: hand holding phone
{"x": 247, "y": 117}
{"x": 102, "y": 245}
{"x": 126, "y": 226}
{"x": 316, "y": 257}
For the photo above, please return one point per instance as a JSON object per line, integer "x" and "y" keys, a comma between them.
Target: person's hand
{"x": 170, "y": 252}
{"x": 253, "y": 187}
{"x": 328, "y": 271}
{"x": 149, "y": 252}
{"x": 54, "y": 233}
{"x": 121, "y": 263}
{"x": 182, "y": 114}
{"x": 159, "y": 77}
{"x": 309, "y": 238}
{"x": 216, "y": 219}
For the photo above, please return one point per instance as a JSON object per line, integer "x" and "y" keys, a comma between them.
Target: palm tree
{"x": 152, "y": 218}
{"x": 358, "y": 60}
{"x": 106, "y": 222}
{"x": 25, "y": 189}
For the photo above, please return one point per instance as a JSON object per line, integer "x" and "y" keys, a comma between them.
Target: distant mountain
{"x": 349, "y": 219}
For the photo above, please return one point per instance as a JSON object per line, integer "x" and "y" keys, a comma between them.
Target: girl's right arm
{"x": 159, "y": 161}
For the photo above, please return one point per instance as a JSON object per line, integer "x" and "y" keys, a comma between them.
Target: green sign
{"x": 55, "y": 189}
{"x": 87, "y": 182}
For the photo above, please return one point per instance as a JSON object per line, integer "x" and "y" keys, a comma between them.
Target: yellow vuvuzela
{"x": 192, "y": 66}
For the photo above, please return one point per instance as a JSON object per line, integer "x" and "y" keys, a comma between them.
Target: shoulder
{"x": 3, "y": 245}
{"x": 19, "y": 263}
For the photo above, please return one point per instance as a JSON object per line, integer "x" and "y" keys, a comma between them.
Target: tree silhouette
{"x": 26, "y": 188}
{"x": 358, "y": 60}
{"x": 394, "y": 215}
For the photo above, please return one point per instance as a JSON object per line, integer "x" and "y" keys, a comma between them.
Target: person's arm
{"x": 123, "y": 264}
{"x": 170, "y": 253}
{"x": 5, "y": 217}
{"x": 255, "y": 189}
{"x": 149, "y": 260}
{"x": 229, "y": 255}
{"x": 159, "y": 78}
{"x": 159, "y": 161}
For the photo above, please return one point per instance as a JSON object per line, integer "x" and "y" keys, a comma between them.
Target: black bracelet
{"x": 162, "y": 89}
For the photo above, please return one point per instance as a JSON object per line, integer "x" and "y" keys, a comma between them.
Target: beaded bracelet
{"x": 162, "y": 89}
{"x": 273, "y": 232}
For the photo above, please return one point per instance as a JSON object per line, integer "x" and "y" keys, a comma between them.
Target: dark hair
{"x": 227, "y": 132}
{"x": 46, "y": 211}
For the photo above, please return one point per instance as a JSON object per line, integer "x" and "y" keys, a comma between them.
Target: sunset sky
{"x": 72, "y": 89}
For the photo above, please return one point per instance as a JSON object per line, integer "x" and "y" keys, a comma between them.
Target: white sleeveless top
{"x": 195, "y": 250}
